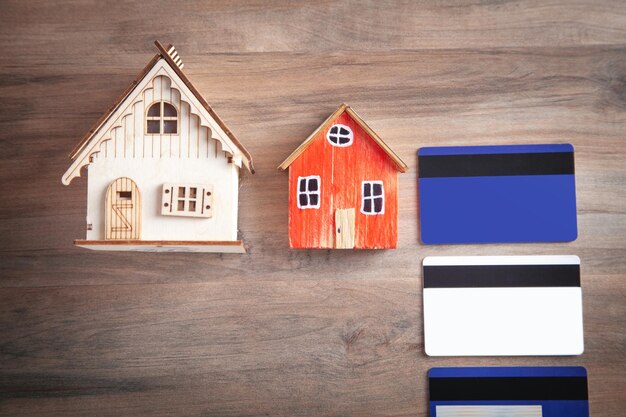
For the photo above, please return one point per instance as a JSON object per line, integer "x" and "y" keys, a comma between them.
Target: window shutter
{"x": 207, "y": 201}
{"x": 167, "y": 200}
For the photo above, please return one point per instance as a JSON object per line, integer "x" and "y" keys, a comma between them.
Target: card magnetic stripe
{"x": 508, "y": 388}
{"x": 480, "y": 276}
{"x": 541, "y": 163}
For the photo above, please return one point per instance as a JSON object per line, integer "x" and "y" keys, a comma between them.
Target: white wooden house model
{"x": 163, "y": 168}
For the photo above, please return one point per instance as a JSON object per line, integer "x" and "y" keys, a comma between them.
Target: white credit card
{"x": 502, "y": 306}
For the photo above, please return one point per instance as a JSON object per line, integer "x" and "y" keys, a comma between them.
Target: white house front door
{"x": 123, "y": 210}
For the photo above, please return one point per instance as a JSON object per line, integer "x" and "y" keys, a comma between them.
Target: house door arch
{"x": 123, "y": 210}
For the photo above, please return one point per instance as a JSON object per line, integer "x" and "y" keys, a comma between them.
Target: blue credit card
{"x": 497, "y": 194}
{"x": 518, "y": 391}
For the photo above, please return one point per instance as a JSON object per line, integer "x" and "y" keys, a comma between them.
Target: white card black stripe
{"x": 492, "y": 306}
{"x": 473, "y": 276}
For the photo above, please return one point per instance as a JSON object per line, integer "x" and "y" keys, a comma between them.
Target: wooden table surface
{"x": 280, "y": 332}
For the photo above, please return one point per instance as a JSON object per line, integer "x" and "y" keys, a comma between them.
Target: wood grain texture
{"x": 276, "y": 331}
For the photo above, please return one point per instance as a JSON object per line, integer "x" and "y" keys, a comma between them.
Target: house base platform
{"x": 235, "y": 246}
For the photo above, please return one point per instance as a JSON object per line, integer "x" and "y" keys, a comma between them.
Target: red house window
{"x": 309, "y": 192}
{"x": 373, "y": 198}
{"x": 340, "y": 135}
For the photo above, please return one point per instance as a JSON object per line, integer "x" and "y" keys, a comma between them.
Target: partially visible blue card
{"x": 497, "y": 392}
{"x": 497, "y": 194}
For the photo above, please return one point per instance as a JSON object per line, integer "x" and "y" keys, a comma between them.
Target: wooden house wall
{"x": 188, "y": 157}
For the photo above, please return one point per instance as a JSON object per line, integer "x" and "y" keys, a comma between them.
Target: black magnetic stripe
{"x": 481, "y": 165}
{"x": 505, "y": 388}
{"x": 480, "y": 276}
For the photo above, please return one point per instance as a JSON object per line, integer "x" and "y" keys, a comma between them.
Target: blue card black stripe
{"x": 491, "y": 194}
{"x": 536, "y": 391}
{"x": 508, "y": 388}
{"x": 542, "y": 163}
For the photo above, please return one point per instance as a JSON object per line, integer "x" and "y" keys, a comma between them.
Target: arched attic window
{"x": 162, "y": 118}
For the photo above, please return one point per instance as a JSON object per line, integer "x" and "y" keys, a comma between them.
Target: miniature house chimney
{"x": 171, "y": 51}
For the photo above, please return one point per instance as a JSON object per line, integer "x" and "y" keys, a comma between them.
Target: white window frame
{"x": 161, "y": 118}
{"x": 340, "y": 126}
{"x": 372, "y": 197}
{"x": 308, "y": 193}
{"x": 203, "y": 200}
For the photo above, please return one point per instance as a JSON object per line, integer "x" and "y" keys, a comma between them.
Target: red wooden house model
{"x": 343, "y": 187}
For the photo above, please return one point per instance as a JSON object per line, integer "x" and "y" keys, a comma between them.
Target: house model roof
{"x": 401, "y": 166}
{"x": 171, "y": 57}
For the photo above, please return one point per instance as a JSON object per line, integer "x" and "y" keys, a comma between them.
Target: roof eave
{"x": 400, "y": 164}
{"x": 118, "y": 102}
{"x": 246, "y": 155}
{"x": 307, "y": 142}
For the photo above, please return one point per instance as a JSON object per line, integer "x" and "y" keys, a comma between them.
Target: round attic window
{"x": 340, "y": 135}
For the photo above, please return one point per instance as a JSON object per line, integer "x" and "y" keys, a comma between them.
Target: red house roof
{"x": 400, "y": 165}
